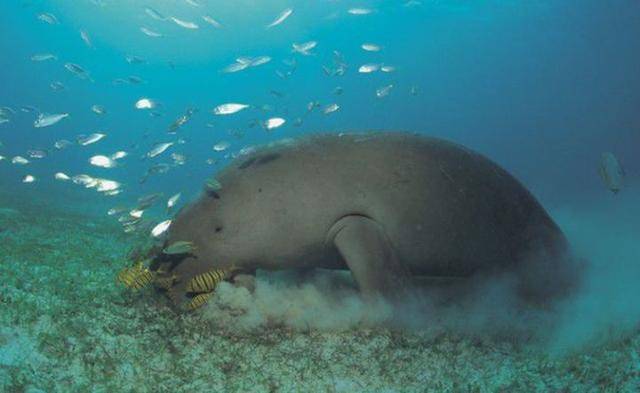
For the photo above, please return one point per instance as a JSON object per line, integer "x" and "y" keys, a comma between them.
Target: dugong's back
{"x": 446, "y": 210}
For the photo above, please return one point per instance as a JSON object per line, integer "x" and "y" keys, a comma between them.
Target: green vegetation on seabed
{"x": 65, "y": 326}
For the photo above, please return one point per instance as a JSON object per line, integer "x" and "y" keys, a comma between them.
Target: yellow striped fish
{"x": 135, "y": 277}
{"x": 206, "y": 282}
{"x": 198, "y": 301}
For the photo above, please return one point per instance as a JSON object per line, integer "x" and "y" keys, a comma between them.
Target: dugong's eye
{"x": 218, "y": 229}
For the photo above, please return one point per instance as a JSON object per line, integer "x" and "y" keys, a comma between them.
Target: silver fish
{"x": 229, "y": 108}
{"x": 48, "y": 18}
{"x": 56, "y": 86}
{"x": 150, "y": 33}
{"x": 184, "y": 23}
{"x": 611, "y": 172}
{"x": 46, "y": 120}
{"x": 132, "y": 59}
{"x": 383, "y": 91}
{"x": 171, "y": 202}
{"x": 304, "y": 47}
{"x": 98, "y": 109}
{"x": 212, "y": 21}
{"x": 43, "y": 57}
{"x": 280, "y": 18}
{"x": 90, "y": 139}
{"x": 330, "y": 108}
{"x": 154, "y": 14}
{"x": 85, "y": 37}
{"x": 61, "y": 144}
{"x": 37, "y": 154}
{"x": 77, "y": 70}
{"x": 159, "y": 149}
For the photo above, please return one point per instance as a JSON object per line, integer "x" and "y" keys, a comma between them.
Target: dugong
{"x": 388, "y": 206}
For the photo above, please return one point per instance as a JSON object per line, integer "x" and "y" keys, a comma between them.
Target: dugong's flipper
{"x": 367, "y": 251}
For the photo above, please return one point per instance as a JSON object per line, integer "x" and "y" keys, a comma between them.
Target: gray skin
{"x": 387, "y": 206}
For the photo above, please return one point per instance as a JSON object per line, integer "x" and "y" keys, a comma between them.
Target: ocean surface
{"x": 107, "y": 102}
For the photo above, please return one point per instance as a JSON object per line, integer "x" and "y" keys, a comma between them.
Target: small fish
{"x": 119, "y": 155}
{"x": 184, "y": 23}
{"x": 260, "y": 60}
{"x": 207, "y": 282}
{"x": 235, "y": 67}
{"x": 171, "y": 202}
{"x": 611, "y": 172}
{"x": 77, "y": 70}
{"x": 28, "y": 179}
{"x": 135, "y": 277}
{"x": 359, "y": 11}
{"x": 62, "y": 144}
{"x": 98, "y": 109}
{"x": 148, "y": 200}
{"x": 43, "y": 57}
{"x": 28, "y": 109}
{"x": 311, "y": 105}
{"x": 338, "y": 90}
{"x": 116, "y": 210}
{"x": 304, "y": 47}
{"x": 198, "y": 301}
{"x": 90, "y": 139}
{"x": 182, "y": 120}
{"x": 280, "y": 18}
{"x": 178, "y": 159}
{"x": 136, "y": 213}
{"x": 102, "y": 161}
{"x": 221, "y": 146}
{"x": 133, "y": 59}
{"x": 150, "y": 33}
{"x": 156, "y": 169}
{"x": 330, "y": 108}
{"x": 84, "y": 180}
{"x": 212, "y": 21}
{"x": 19, "y": 160}
{"x": 48, "y": 18}
{"x": 179, "y": 247}
{"x": 46, "y": 120}
{"x": 273, "y": 123}
{"x": 86, "y": 39}
{"x": 159, "y": 149}
{"x": 61, "y": 176}
{"x": 109, "y": 187}
{"x": 145, "y": 103}
{"x": 134, "y": 80}
{"x": 213, "y": 185}
{"x": 193, "y": 3}
{"x": 413, "y": 90}
{"x": 56, "y": 86}
{"x": 37, "y": 154}
{"x": 383, "y": 91}
{"x": 369, "y": 47}
{"x": 387, "y": 68}
{"x": 229, "y": 108}
{"x": 154, "y": 14}
{"x": 368, "y": 68}
{"x": 161, "y": 228}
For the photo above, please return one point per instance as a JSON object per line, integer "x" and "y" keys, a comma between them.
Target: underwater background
{"x": 543, "y": 88}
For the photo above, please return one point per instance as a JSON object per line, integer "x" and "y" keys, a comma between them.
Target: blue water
{"x": 541, "y": 87}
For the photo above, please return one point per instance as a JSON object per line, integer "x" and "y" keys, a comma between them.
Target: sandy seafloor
{"x": 66, "y": 326}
